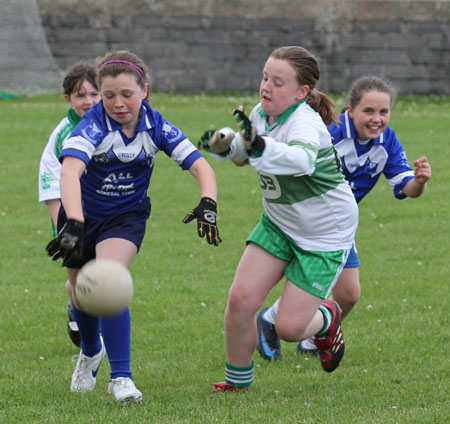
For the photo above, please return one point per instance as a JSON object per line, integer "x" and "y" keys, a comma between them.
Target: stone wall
{"x": 221, "y": 46}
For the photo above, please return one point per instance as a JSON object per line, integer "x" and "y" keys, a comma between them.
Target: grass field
{"x": 396, "y": 367}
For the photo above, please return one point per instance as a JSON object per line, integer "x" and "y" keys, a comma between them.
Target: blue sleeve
{"x": 335, "y": 131}
{"x": 172, "y": 141}
{"x": 397, "y": 169}
{"x": 189, "y": 161}
{"x": 86, "y": 136}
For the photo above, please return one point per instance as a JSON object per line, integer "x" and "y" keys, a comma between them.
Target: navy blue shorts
{"x": 353, "y": 258}
{"x": 128, "y": 225}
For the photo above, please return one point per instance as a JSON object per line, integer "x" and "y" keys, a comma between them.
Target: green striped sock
{"x": 239, "y": 376}
{"x": 327, "y": 318}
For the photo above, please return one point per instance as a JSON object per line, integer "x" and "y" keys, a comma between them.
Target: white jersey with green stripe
{"x": 49, "y": 165}
{"x": 304, "y": 192}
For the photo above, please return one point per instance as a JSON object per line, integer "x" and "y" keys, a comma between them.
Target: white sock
{"x": 271, "y": 313}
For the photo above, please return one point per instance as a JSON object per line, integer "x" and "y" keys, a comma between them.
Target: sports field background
{"x": 396, "y": 367}
{"x": 220, "y": 46}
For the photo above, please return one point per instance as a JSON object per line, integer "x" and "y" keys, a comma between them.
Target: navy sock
{"x": 89, "y": 328}
{"x": 116, "y": 333}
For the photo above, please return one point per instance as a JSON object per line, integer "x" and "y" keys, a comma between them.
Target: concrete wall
{"x": 218, "y": 46}
{"x": 26, "y": 62}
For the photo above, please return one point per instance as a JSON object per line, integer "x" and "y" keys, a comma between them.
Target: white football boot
{"x": 85, "y": 373}
{"x": 124, "y": 391}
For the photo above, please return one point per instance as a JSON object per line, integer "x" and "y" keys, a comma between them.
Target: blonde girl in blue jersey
{"x": 309, "y": 220}
{"x": 368, "y": 147}
{"x": 107, "y": 163}
{"x": 80, "y": 90}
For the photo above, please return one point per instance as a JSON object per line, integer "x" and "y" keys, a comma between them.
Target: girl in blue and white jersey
{"x": 107, "y": 163}
{"x": 367, "y": 147}
{"x": 80, "y": 90}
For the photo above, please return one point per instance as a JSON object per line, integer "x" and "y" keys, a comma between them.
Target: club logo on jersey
{"x": 102, "y": 158}
{"x": 46, "y": 180}
{"x": 148, "y": 160}
{"x": 171, "y": 133}
{"x": 92, "y": 132}
{"x": 120, "y": 187}
{"x": 117, "y": 184}
{"x": 371, "y": 167}
{"x": 114, "y": 177}
{"x": 404, "y": 159}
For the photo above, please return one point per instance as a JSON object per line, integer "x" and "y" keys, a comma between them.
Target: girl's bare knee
{"x": 289, "y": 331}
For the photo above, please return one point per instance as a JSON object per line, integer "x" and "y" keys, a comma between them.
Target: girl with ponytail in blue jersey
{"x": 107, "y": 163}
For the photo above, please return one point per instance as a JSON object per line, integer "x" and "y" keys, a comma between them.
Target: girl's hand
{"x": 205, "y": 213}
{"x": 253, "y": 143}
{"x": 422, "y": 170}
{"x": 69, "y": 242}
{"x": 215, "y": 142}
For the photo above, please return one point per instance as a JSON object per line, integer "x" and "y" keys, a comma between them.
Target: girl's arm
{"x": 422, "y": 173}
{"x": 206, "y": 211}
{"x": 72, "y": 170}
{"x": 68, "y": 243}
{"x": 206, "y": 178}
{"x": 53, "y": 208}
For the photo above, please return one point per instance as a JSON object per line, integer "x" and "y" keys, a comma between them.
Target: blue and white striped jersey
{"x": 364, "y": 161}
{"x": 118, "y": 168}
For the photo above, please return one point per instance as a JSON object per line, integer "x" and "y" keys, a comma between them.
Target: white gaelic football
{"x": 104, "y": 287}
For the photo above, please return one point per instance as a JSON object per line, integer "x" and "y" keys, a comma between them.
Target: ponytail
{"x": 323, "y": 105}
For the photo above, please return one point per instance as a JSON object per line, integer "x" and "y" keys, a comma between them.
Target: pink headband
{"x": 126, "y": 62}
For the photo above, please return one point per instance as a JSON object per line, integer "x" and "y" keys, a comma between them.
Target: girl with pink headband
{"x": 107, "y": 164}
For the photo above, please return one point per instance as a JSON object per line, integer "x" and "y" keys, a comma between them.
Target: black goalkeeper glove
{"x": 205, "y": 213}
{"x": 69, "y": 242}
{"x": 253, "y": 143}
{"x": 215, "y": 142}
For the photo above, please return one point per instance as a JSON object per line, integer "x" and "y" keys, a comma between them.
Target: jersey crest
{"x": 92, "y": 132}
{"x": 171, "y": 133}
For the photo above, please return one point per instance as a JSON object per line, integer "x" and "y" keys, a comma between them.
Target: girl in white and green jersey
{"x": 81, "y": 92}
{"x": 309, "y": 220}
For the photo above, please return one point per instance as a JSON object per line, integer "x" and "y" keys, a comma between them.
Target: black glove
{"x": 215, "y": 142}
{"x": 205, "y": 213}
{"x": 69, "y": 242}
{"x": 253, "y": 143}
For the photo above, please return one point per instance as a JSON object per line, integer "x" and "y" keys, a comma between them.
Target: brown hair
{"x": 122, "y": 61}
{"x": 307, "y": 71}
{"x": 75, "y": 76}
{"x": 369, "y": 83}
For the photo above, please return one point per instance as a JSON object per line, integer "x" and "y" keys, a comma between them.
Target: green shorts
{"x": 312, "y": 271}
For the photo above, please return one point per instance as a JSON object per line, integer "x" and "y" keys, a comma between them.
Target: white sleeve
{"x": 237, "y": 150}
{"x": 49, "y": 173}
{"x": 282, "y": 159}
